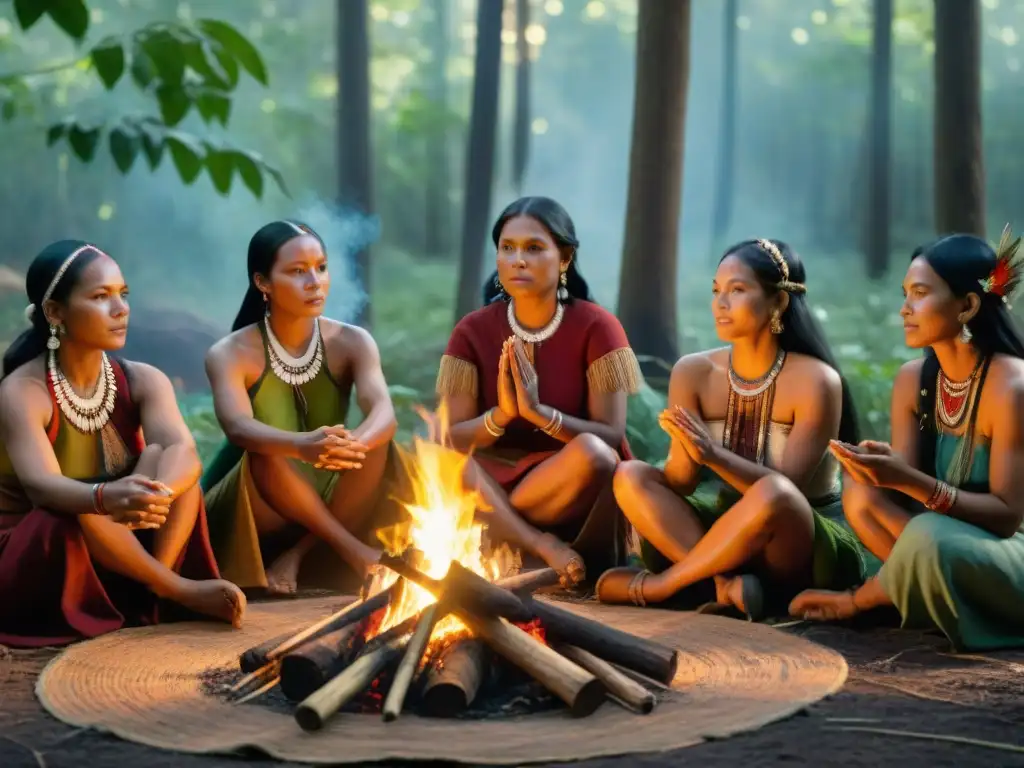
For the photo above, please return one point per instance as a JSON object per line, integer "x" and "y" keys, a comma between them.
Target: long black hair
{"x": 41, "y": 272}
{"x": 263, "y": 248}
{"x": 801, "y": 331}
{"x": 556, "y": 220}
{"x": 963, "y": 261}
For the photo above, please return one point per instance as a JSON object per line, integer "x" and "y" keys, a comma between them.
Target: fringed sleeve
{"x": 611, "y": 364}
{"x": 458, "y": 373}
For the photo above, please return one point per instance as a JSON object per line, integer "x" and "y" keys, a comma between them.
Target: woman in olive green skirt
{"x": 291, "y": 473}
{"x": 750, "y": 427}
{"x": 949, "y": 535}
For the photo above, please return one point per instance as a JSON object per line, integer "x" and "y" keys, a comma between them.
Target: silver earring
{"x": 965, "y": 334}
{"x": 497, "y": 284}
{"x": 53, "y": 343}
{"x": 563, "y": 291}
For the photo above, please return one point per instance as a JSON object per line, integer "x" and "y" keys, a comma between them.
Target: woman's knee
{"x": 599, "y": 458}
{"x": 632, "y": 481}
{"x": 931, "y": 537}
{"x": 776, "y": 496}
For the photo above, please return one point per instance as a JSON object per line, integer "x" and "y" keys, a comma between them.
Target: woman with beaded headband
{"x": 536, "y": 383}
{"x": 942, "y": 506}
{"x": 97, "y": 522}
{"x": 749, "y": 493}
{"x": 291, "y": 474}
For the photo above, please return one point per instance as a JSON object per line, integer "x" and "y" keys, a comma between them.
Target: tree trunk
{"x": 727, "y": 131}
{"x": 879, "y": 160}
{"x": 959, "y": 162}
{"x": 483, "y": 123}
{"x": 438, "y": 200}
{"x": 521, "y": 126}
{"x": 355, "y": 173}
{"x": 647, "y": 283}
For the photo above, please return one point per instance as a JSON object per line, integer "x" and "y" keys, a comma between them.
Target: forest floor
{"x": 938, "y": 710}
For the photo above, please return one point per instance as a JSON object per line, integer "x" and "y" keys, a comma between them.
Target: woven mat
{"x": 143, "y": 685}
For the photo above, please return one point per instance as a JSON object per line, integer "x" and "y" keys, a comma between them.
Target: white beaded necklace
{"x": 295, "y": 370}
{"x": 87, "y": 414}
{"x": 535, "y": 337}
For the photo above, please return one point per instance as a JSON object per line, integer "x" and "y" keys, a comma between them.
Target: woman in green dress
{"x": 749, "y": 494}
{"x": 942, "y": 506}
{"x": 291, "y": 473}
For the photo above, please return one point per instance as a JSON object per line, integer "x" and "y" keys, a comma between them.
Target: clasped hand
{"x": 333, "y": 448}
{"x": 518, "y": 385}
{"x": 870, "y": 463}
{"x": 137, "y": 502}
{"x": 688, "y": 430}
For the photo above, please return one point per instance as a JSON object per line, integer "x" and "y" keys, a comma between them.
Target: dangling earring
{"x": 965, "y": 334}
{"x": 497, "y": 284}
{"x": 266, "y": 304}
{"x": 776, "y": 324}
{"x": 563, "y": 291}
{"x": 53, "y": 343}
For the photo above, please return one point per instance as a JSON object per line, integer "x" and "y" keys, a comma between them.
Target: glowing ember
{"x": 441, "y": 526}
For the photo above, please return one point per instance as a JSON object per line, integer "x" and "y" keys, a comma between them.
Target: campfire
{"x": 438, "y": 615}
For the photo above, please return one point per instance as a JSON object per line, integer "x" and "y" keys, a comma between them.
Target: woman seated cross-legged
{"x": 535, "y": 384}
{"x": 291, "y": 474}
{"x": 101, "y": 515}
{"x": 943, "y": 506}
{"x": 749, "y": 491}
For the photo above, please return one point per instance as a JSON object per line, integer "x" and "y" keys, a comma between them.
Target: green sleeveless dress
{"x": 952, "y": 575}
{"x": 227, "y": 484}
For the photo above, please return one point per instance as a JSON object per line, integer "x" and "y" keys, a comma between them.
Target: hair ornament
{"x": 1005, "y": 278}
{"x": 30, "y": 313}
{"x": 776, "y": 255}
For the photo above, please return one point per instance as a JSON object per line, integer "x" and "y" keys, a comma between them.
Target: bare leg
{"x": 288, "y": 494}
{"x": 115, "y": 548}
{"x": 657, "y": 512}
{"x": 772, "y": 522}
{"x": 876, "y": 519}
{"x": 823, "y": 605}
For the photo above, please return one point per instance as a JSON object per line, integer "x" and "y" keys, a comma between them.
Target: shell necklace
{"x": 88, "y": 414}
{"x": 535, "y": 337}
{"x": 295, "y": 370}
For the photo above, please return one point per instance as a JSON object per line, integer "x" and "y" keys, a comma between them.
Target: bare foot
{"x": 744, "y": 592}
{"x": 616, "y": 585}
{"x": 283, "y": 575}
{"x": 563, "y": 559}
{"x": 214, "y": 597}
{"x": 823, "y": 605}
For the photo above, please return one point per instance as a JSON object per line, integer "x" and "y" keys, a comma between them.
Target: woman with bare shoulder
{"x": 943, "y": 505}
{"x": 291, "y": 473}
{"x": 101, "y": 514}
{"x": 749, "y": 494}
{"x": 535, "y": 383}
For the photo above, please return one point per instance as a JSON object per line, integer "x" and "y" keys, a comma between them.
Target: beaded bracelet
{"x": 492, "y": 428}
{"x": 942, "y": 499}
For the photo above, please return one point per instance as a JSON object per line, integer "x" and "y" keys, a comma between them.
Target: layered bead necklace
{"x": 951, "y": 406}
{"x": 535, "y": 337}
{"x": 749, "y": 412}
{"x": 87, "y": 414}
{"x": 295, "y": 371}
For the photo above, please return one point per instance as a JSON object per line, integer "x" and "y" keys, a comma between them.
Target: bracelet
{"x": 554, "y": 426}
{"x": 492, "y": 428}
{"x": 97, "y": 499}
{"x": 942, "y": 499}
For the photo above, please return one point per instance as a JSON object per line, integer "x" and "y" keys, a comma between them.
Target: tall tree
{"x": 483, "y": 124}
{"x": 647, "y": 282}
{"x": 878, "y": 203}
{"x": 959, "y": 158}
{"x": 521, "y": 126}
{"x": 722, "y": 215}
{"x": 438, "y": 198}
{"x": 355, "y": 173}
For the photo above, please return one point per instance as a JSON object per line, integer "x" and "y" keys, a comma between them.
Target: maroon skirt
{"x": 51, "y": 593}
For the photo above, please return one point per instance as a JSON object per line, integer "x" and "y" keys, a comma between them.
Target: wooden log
{"x": 619, "y": 686}
{"x": 647, "y": 657}
{"x": 528, "y": 581}
{"x": 307, "y": 668}
{"x": 452, "y": 684}
{"x": 410, "y": 662}
{"x": 581, "y": 691}
{"x": 319, "y": 706}
{"x": 252, "y": 659}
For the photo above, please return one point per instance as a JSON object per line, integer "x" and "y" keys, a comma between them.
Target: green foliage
{"x": 184, "y": 67}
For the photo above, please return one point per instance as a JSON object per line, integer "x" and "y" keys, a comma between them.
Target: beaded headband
{"x": 776, "y": 255}
{"x": 31, "y": 308}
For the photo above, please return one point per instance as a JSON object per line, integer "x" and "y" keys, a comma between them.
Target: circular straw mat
{"x": 144, "y": 685}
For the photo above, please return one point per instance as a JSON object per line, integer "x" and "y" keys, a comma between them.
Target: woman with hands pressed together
{"x": 96, "y": 522}
{"x": 749, "y": 489}
{"x": 535, "y": 384}
{"x": 942, "y": 506}
{"x": 291, "y": 474}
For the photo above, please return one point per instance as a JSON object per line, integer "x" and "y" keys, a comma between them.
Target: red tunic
{"x": 51, "y": 593}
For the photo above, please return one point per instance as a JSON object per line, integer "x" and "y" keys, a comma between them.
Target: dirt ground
{"x": 903, "y": 682}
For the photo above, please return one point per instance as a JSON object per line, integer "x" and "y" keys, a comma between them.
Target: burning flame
{"x": 441, "y": 525}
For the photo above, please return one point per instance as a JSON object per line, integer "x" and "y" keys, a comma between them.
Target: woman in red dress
{"x": 535, "y": 384}
{"x": 96, "y": 522}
